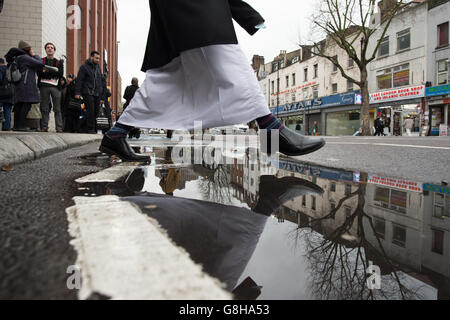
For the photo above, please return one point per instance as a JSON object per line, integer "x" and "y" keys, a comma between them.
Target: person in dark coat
{"x": 26, "y": 91}
{"x": 108, "y": 111}
{"x": 6, "y": 103}
{"x": 71, "y": 117}
{"x": 379, "y": 127}
{"x": 130, "y": 91}
{"x": 196, "y": 72}
{"x": 90, "y": 85}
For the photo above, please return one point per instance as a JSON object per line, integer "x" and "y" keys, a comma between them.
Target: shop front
{"x": 342, "y": 115}
{"x": 396, "y": 105}
{"x": 438, "y": 105}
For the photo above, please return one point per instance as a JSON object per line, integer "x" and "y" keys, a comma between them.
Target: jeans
{"x": 55, "y": 93}
{"x": 6, "y": 126}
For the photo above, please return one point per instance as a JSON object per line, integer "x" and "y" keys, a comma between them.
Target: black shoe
{"x": 120, "y": 148}
{"x": 294, "y": 144}
{"x": 22, "y": 129}
{"x": 273, "y": 192}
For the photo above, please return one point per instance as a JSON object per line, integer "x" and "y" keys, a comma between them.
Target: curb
{"x": 22, "y": 147}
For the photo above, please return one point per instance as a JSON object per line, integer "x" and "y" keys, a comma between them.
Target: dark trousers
{"x": 92, "y": 105}
{"x": 71, "y": 121}
{"x": 6, "y": 126}
{"x": 21, "y": 110}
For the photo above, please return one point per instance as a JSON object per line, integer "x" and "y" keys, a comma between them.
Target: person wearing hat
{"x": 196, "y": 71}
{"x": 26, "y": 91}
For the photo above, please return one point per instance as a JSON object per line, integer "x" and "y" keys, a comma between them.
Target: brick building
{"x": 95, "y": 28}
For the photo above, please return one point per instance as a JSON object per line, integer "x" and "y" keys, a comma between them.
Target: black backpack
{"x": 13, "y": 74}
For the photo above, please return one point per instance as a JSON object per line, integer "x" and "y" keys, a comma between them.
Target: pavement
{"x": 18, "y": 147}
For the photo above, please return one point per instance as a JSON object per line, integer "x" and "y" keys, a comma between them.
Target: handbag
{"x": 101, "y": 120}
{"x": 6, "y": 92}
{"x": 75, "y": 105}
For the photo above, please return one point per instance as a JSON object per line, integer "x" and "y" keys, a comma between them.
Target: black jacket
{"x": 50, "y": 74}
{"x": 180, "y": 25}
{"x": 130, "y": 91}
{"x": 90, "y": 81}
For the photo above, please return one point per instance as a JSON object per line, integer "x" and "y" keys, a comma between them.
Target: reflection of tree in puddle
{"x": 338, "y": 258}
{"x": 215, "y": 186}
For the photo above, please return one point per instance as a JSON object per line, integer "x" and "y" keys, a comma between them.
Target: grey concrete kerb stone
{"x": 21, "y": 147}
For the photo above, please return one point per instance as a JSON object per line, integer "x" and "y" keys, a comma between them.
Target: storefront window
{"x": 344, "y": 123}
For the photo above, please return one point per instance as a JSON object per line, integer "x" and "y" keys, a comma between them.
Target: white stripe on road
{"x": 123, "y": 254}
{"x": 390, "y": 145}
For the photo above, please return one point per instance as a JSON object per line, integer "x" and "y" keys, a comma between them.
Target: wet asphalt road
{"x": 34, "y": 242}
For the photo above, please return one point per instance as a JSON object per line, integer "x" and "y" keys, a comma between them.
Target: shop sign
{"x": 396, "y": 183}
{"x": 325, "y": 173}
{"x": 397, "y": 94}
{"x": 342, "y": 99}
{"x": 443, "y": 130}
{"x": 293, "y": 90}
{"x": 438, "y": 91}
{"x": 436, "y": 188}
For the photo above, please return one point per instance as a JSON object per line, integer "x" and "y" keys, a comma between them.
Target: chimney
{"x": 257, "y": 61}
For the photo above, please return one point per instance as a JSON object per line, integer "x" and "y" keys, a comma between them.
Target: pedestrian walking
{"x": 315, "y": 129}
{"x": 49, "y": 86}
{"x": 26, "y": 91}
{"x": 89, "y": 85}
{"x": 6, "y": 97}
{"x": 409, "y": 126}
{"x": 379, "y": 127}
{"x": 130, "y": 91}
{"x": 196, "y": 71}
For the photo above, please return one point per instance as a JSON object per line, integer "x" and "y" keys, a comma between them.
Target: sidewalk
{"x": 17, "y": 147}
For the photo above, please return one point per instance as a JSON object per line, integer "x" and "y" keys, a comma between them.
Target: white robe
{"x": 213, "y": 84}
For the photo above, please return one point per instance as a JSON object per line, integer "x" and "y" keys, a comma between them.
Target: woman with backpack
{"x": 26, "y": 92}
{"x": 6, "y": 97}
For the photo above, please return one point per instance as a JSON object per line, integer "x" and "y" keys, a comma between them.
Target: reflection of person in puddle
{"x": 170, "y": 177}
{"x": 222, "y": 238}
{"x": 133, "y": 183}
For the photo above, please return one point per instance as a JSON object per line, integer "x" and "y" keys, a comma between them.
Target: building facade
{"x": 92, "y": 25}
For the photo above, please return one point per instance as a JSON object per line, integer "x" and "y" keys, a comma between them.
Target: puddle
{"x": 298, "y": 231}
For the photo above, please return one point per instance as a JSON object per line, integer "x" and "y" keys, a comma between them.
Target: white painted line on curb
{"x": 123, "y": 254}
{"x": 389, "y": 145}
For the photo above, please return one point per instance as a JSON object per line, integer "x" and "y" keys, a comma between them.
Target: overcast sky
{"x": 286, "y": 20}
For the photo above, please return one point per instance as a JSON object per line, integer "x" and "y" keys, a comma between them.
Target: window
{"x": 316, "y": 71}
{"x": 304, "y": 201}
{"x": 442, "y": 72}
{"x": 350, "y": 62}
{"x": 335, "y": 68}
{"x": 287, "y": 81}
{"x": 305, "y": 94}
{"x": 333, "y": 187}
{"x": 293, "y": 79}
{"x": 273, "y": 86}
{"x": 384, "y": 47}
{"x": 349, "y": 86}
{"x": 438, "y": 242}
{"x": 441, "y": 205}
{"x": 393, "y": 77}
{"x": 315, "y": 92}
{"x": 335, "y": 87}
{"x": 313, "y": 203}
{"x": 379, "y": 228}
{"x": 305, "y": 74}
{"x": 348, "y": 189}
{"x": 348, "y": 212}
{"x": 403, "y": 40}
{"x": 443, "y": 34}
{"x": 391, "y": 199}
{"x": 293, "y": 97}
{"x": 399, "y": 235}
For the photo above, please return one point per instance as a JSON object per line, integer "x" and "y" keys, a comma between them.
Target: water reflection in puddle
{"x": 299, "y": 231}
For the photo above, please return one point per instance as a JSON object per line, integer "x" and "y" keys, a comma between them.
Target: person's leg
{"x": 7, "y": 112}
{"x": 23, "y": 115}
{"x": 56, "y": 98}
{"x": 90, "y": 109}
{"x": 44, "y": 106}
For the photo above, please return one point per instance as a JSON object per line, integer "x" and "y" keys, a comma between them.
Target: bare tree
{"x": 348, "y": 24}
